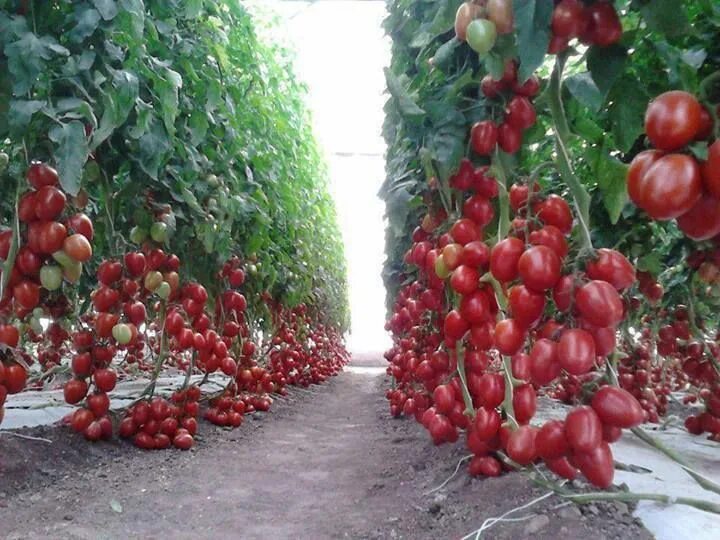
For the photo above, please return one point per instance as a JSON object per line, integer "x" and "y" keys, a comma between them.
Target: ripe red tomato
{"x": 464, "y": 231}
{"x": 487, "y": 423}
{"x": 576, "y": 351}
{"x": 604, "y": 26}
{"x": 702, "y": 221}
{"x": 555, "y": 211}
{"x": 455, "y": 326}
{"x": 711, "y": 170}
{"x": 27, "y": 294}
{"x": 509, "y": 138}
{"x": 465, "y": 280}
{"x": 597, "y": 465}
{"x": 529, "y": 88}
{"x": 569, "y": 19}
{"x": 551, "y": 442}
{"x": 475, "y": 307}
{"x": 617, "y": 407}
{"x": 10, "y": 336}
{"x": 15, "y": 378}
{"x": 672, "y": 120}
{"x": 28, "y": 262}
{"x": 82, "y": 224}
{"x": 599, "y": 303}
{"x": 81, "y": 419}
{"x": 105, "y": 380}
{"x": 583, "y": 429}
{"x": 476, "y": 254}
{"x": 562, "y": 467}
{"x": 524, "y": 403}
{"x": 109, "y": 272}
{"x": 636, "y": 173}
{"x": 504, "y": 258}
{"x": 491, "y": 390}
{"x": 520, "y": 113}
{"x": 78, "y": 247}
{"x": 41, "y": 174}
{"x": 50, "y": 237}
{"x": 544, "y": 366}
{"x": 135, "y": 264}
{"x": 526, "y": 306}
{"x": 539, "y": 268}
{"x": 551, "y": 237}
{"x": 484, "y": 466}
{"x": 484, "y": 137}
{"x": 509, "y": 336}
{"x": 49, "y": 203}
{"x": 5, "y": 242}
{"x": 26, "y": 207}
{"x": 670, "y": 187}
{"x": 75, "y": 391}
{"x": 521, "y": 445}
{"x": 479, "y": 209}
{"x": 613, "y": 267}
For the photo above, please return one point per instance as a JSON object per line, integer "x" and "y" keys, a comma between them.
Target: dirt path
{"x": 328, "y": 463}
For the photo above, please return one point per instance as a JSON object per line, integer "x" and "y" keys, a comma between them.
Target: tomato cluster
{"x": 158, "y": 423}
{"x": 668, "y": 182}
{"x": 594, "y": 24}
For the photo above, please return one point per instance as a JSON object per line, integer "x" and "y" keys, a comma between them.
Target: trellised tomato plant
{"x": 516, "y": 265}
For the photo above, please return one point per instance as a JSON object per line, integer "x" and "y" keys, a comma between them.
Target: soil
{"x": 327, "y": 462}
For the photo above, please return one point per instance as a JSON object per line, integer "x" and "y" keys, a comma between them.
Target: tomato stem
{"x": 14, "y": 246}
{"x": 500, "y": 170}
{"x": 467, "y": 398}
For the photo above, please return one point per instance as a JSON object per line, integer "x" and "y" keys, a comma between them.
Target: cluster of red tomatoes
{"x": 519, "y": 112}
{"x": 669, "y": 182}
{"x": 594, "y": 24}
{"x": 158, "y": 423}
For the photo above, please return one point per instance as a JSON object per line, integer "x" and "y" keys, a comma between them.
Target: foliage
{"x": 147, "y": 103}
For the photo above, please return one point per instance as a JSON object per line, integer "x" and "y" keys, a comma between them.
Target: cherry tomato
{"x": 49, "y": 203}
{"x": 544, "y": 366}
{"x": 509, "y": 336}
{"x": 509, "y": 138}
{"x": 41, "y": 174}
{"x": 670, "y": 187}
{"x": 484, "y": 137}
{"x": 597, "y": 465}
{"x": 78, "y": 247}
{"x": 583, "y": 429}
{"x": 551, "y": 442}
{"x": 613, "y": 267}
{"x": 599, "y": 303}
{"x": 555, "y": 211}
{"x": 672, "y": 120}
{"x": 524, "y": 403}
{"x": 638, "y": 167}
{"x": 702, "y": 221}
{"x": 576, "y": 351}
{"x": 711, "y": 170}
{"x": 569, "y": 19}
{"x": 539, "y": 268}
{"x": 520, "y": 113}
{"x": 526, "y": 306}
{"x": 521, "y": 445}
{"x": 617, "y": 407}
{"x": 504, "y": 258}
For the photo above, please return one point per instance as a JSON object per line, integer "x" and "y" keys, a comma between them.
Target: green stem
{"x": 162, "y": 354}
{"x": 507, "y": 405}
{"x": 14, "y": 246}
{"x": 467, "y": 398}
{"x": 500, "y": 171}
{"x": 562, "y": 136}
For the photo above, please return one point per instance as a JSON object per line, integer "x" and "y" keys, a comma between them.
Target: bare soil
{"x": 324, "y": 463}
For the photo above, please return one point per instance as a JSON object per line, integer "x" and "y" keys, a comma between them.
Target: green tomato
{"x": 36, "y": 326}
{"x": 163, "y": 291}
{"x": 441, "y": 268}
{"x": 73, "y": 272}
{"x": 122, "y": 333}
{"x": 63, "y": 259}
{"x": 138, "y": 235}
{"x": 153, "y": 280}
{"x": 481, "y": 35}
{"x": 51, "y": 277}
{"x": 158, "y": 232}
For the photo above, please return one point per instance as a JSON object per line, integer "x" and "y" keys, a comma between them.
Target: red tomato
{"x": 26, "y": 207}
{"x": 599, "y": 303}
{"x": 28, "y": 262}
{"x": 10, "y": 336}
{"x": 105, "y": 380}
{"x": 41, "y": 174}
{"x": 78, "y": 247}
{"x": 551, "y": 442}
{"x": 509, "y": 138}
{"x": 455, "y": 326}
{"x": 617, "y": 407}
{"x": 636, "y": 173}
{"x": 476, "y": 254}
{"x": 524, "y": 403}
{"x": 702, "y": 221}
{"x": 544, "y": 366}
{"x": 81, "y": 419}
{"x": 672, "y": 120}
{"x": 597, "y": 465}
{"x": 583, "y": 429}
{"x": 51, "y": 237}
{"x": 81, "y": 224}
{"x": 479, "y": 209}
{"x": 520, "y": 113}
{"x": 670, "y": 187}
{"x": 475, "y": 307}
{"x": 27, "y": 294}
{"x": 576, "y": 351}
{"x": 49, "y": 203}
{"x": 562, "y": 467}
{"x": 569, "y": 19}
{"x": 491, "y": 390}
{"x": 711, "y": 170}
{"x": 551, "y": 237}
{"x": 562, "y": 292}
{"x": 521, "y": 445}
{"x": 464, "y": 231}
{"x": 539, "y": 268}
{"x": 15, "y": 378}
{"x": 555, "y": 211}
{"x": 504, "y": 258}
{"x": 484, "y": 466}
{"x": 526, "y": 306}
{"x": 484, "y": 137}
{"x": 75, "y": 391}
{"x": 604, "y": 26}
{"x": 5, "y": 242}
{"x": 487, "y": 423}
{"x": 464, "y": 279}
{"x": 613, "y": 267}
{"x": 509, "y": 336}
{"x": 529, "y": 88}
{"x": 520, "y": 364}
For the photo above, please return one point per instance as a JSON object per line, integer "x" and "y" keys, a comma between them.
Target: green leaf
{"x": 107, "y": 8}
{"x": 71, "y": 153}
{"x": 26, "y": 59}
{"x": 445, "y": 53}
{"x": 167, "y": 90}
{"x": 627, "y": 112}
{"x": 666, "y": 16}
{"x": 532, "y": 20}
{"x": 583, "y": 88}
{"x": 606, "y": 64}
{"x": 21, "y": 112}
{"x": 405, "y": 103}
{"x": 198, "y": 125}
{"x": 193, "y": 8}
{"x": 88, "y": 20}
{"x": 611, "y": 177}
{"x": 152, "y": 149}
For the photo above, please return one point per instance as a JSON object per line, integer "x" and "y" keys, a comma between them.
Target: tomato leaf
{"x": 606, "y": 64}
{"x": 532, "y": 20}
{"x": 71, "y": 153}
{"x": 88, "y": 20}
{"x": 405, "y": 103}
{"x": 665, "y": 16}
{"x": 583, "y": 88}
{"x": 611, "y": 175}
{"x": 21, "y": 112}
{"x": 107, "y": 8}
{"x": 627, "y": 112}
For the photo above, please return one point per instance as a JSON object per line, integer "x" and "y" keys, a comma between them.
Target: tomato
{"x": 539, "y": 268}
{"x": 9, "y": 336}
{"x": 81, "y": 419}
{"x": 51, "y": 277}
{"x": 500, "y": 12}
{"x": 464, "y": 279}
{"x": 583, "y": 429}
{"x": 15, "y": 378}
{"x": 491, "y": 390}
{"x": 569, "y": 19}
{"x": 50, "y": 237}
{"x": 611, "y": 433}
{"x": 617, "y": 407}
{"x": 562, "y": 467}
{"x": 49, "y": 203}
{"x": 81, "y": 224}
{"x": 504, "y": 258}
{"x": 599, "y": 303}
{"x": 105, "y": 379}
{"x": 109, "y": 272}
{"x": 551, "y": 442}
{"x": 613, "y": 267}
{"x": 481, "y": 35}
{"x": 484, "y": 137}
{"x": 487, "y": 423}
{"x": 551, "y": 237}
{"x": 27, "y": 294}
{"x": 524, "y": 403}
{"x": 604, "y": 338}
{"x": 521, "y": 445}
{"x": 464, "y": 231}
{"x": 27, "y": 206}
{"x": 81, "y": 364}
{"x": 557, "y": 45}
{"x": 711, "y": 170}
{"x": 183, "y": 441}
{"x": 75, "y": 391}
{"x": 597, "y": 465}
{"x": 526, "y": 306}
{"x": 520, "y": 113}
{"x": 672, "y": 120}
{"x": 460, "y": 180}
{"x": 702, "y": 221}
{"x": 576, "y": 351}
{"x": 604, "y": 26}
{"x": 105, "y": 298}
{"x": 135, "y": 263}
{"x": 509, "y": 336}
{"x": 479, "y": 209}
{"x": 475, "y": 307}
{"x": 544, "y": 366}
{"x": 529, "y": 88}
{"x": 104, "y": 323}
{"x": 476, "y": 254}
{"x": 28, "y": 262}
{"x": 5, "y": 243}
{"x": 455, "y": 326}
{"x": 636, "y": 173}
{"x": 122, "y": 333}
{"x": 555, "y": 211}
{"x": 464, "y": 15}
{"x": 509, "y": 138}
{"x": 78, "y": 247}
{"x": 41, "y": 174}
{"x": 670, "y": 187}
{"x": 484, "y": 466}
